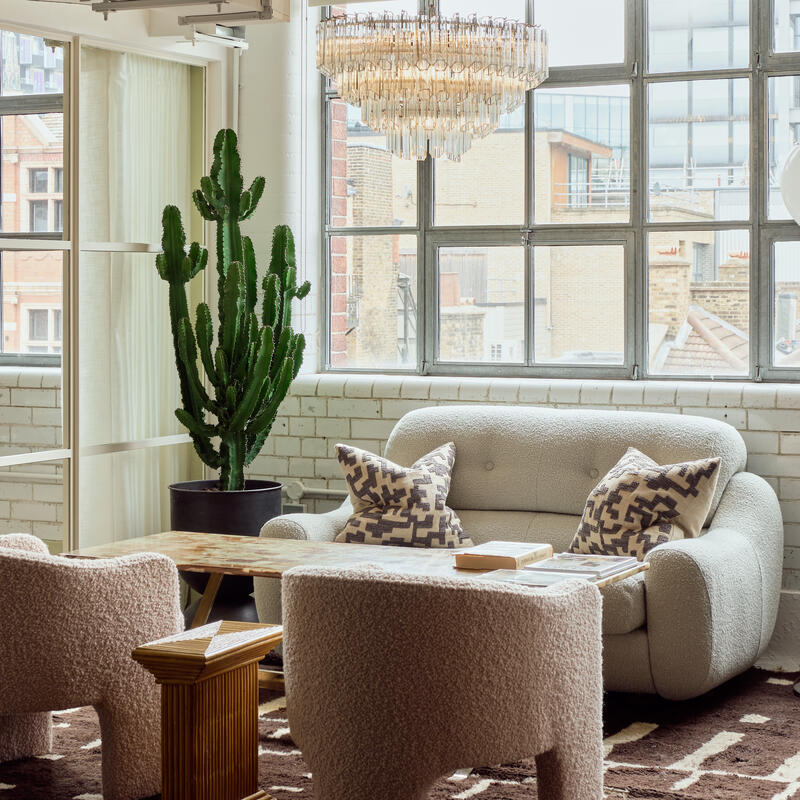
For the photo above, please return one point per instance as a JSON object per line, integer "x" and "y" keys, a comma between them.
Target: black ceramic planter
{"x": 200, "y": 506}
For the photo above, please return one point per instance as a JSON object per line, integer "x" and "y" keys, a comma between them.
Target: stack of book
{"x": 534, "y": 564}
{"x": 600, "y": 570}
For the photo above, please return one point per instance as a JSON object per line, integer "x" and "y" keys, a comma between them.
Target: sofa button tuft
{"x": 594, "y": 473}
{"x": 489, "y": 465}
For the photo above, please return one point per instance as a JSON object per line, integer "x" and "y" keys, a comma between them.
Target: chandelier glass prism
{"x": 431, "y": 84}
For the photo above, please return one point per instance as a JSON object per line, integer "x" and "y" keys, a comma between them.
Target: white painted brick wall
{"x": 31, "y": 496}
{"x": 362, "y": 409}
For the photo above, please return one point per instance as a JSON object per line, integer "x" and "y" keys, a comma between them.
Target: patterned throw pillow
{"x": 640, "y": 504}
{"x": 400, "y": 505}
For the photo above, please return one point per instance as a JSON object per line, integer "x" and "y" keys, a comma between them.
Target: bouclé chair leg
{"x": 25, "y": 735}
{"x": 131, "y": 751}
{"x": 570, "y": 772}
{"x": 353, "y": 785}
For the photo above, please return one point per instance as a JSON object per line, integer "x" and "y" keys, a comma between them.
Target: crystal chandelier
{"x": 430, "y": 83}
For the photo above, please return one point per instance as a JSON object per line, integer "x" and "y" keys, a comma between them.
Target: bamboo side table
{"x": 209, "y": 709}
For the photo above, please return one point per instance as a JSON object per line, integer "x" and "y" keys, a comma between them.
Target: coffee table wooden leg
{"x": 207, "y": 600}
{"x": 271, "y": 679}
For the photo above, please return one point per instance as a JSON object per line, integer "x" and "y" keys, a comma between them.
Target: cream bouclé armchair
{"x": 706, "y": 608}
{"x": 441, "y": 674}
{"x": 68, "y": 627}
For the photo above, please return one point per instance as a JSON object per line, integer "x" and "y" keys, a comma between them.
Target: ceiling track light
{"x": 235, "y": 17}
{"x": 107, "y": 6}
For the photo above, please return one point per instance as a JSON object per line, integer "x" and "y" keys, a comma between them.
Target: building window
{"x": 58, "y": 180}
{"x": 578, "y": 181}
{"x": 600, "y": 190}
{"x": 37, "y": 181}
{"x": 58, "y": 215}
{"x": 42, "y": 330}
{"x": 37, "y": 216}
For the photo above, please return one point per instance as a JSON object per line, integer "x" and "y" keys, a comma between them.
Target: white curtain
{"x": 134, "y": 160}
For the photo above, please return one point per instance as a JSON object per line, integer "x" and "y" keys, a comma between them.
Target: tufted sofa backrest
{"x": 548, "y": 460}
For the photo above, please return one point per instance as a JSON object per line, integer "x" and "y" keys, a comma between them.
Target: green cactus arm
{"x": 255, "y": 444}
{"x": 244, "y": 204}
{"x": 269, "y": 313}
{"x": 206, "y": 210}
{"x": 198, "y": 428}
{"x": 188, "y": 354}
{"x": 281, "y": 352}
{"x": 250, "y": 274}
{"x": 195, "y": 261}
{"x": 210, "y": 191}
{"x": 221, "y": 363}
{"x": 298, "y": 349}
{"x": 280, "y": 387}
{"x": 255, "y": 192}
{"x": 204, "y": 331}
{"x": 303, "y": 290}
{"x": 206, "y": 452}
{"x": 231, "y": 394}
{"x": 232, "y": 304}
{"x": 288, "y": 293}
{"x": 255, "y": 383}
{"x": 283, "y": 255}
{"x": 227, "y": 169}
{"x": 173, "y": 244}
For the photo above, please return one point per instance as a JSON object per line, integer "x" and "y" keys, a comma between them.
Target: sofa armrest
{"x": 312, "y": 527}
{"x": 712, "y": 601}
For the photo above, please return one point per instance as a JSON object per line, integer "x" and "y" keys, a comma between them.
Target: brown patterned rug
{"x": 740, "y": 742}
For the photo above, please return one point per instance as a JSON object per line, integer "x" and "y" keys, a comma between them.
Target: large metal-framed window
{"x": 670, "y": 185}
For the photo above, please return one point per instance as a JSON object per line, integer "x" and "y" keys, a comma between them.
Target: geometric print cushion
{"x": 640, "y": 504}
{"x": 397, "y": 505}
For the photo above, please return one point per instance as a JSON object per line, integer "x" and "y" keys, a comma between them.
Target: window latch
{"x": 527, "y": 237}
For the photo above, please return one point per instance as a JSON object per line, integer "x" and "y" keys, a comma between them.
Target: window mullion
{"x": 760, "y": 267}
{"x": 637, "y": 313}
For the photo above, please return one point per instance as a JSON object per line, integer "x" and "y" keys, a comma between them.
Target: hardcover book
{"x": 502, "y": 555}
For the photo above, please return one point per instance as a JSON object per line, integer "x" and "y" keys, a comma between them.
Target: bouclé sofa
{"x": 706, "y": 608}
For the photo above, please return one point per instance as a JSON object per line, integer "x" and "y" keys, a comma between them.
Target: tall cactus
{"x": 257, "y": 354}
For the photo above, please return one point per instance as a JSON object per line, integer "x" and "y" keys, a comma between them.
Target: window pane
{"x": 482, "y": 304}
{"x": 369, "y": 186}
{"x": 783, "y": 108}
{"x": 373, "y": 302}
{"x": 31, "y": 293}
{"x": 487, "y": 186}
{"x": 582, "y": 155}
{"x": 32, "y": 145}
{"x": 583, "y": 31}
{"x": 786, "y": 283}
{"x": 124, "y": 304}
{"x": 33, "y": 501}
{"x": 29, "y": 66}
{"x": 687, "y": 35}
{"x": 567, "y": 329}
{"x": 786, "y": 27}
{"x": 37, "y": 324}
{"x": 699, "y": 302}
{"x": 510, "y": 9}
{"x": 698, "y": 150}
{"x": 126, "y": 494}
{"x": 133, "y": 110}
{"x": 37, "y": 180}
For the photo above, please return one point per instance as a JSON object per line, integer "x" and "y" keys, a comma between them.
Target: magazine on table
{"x": 581, "y": 565}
